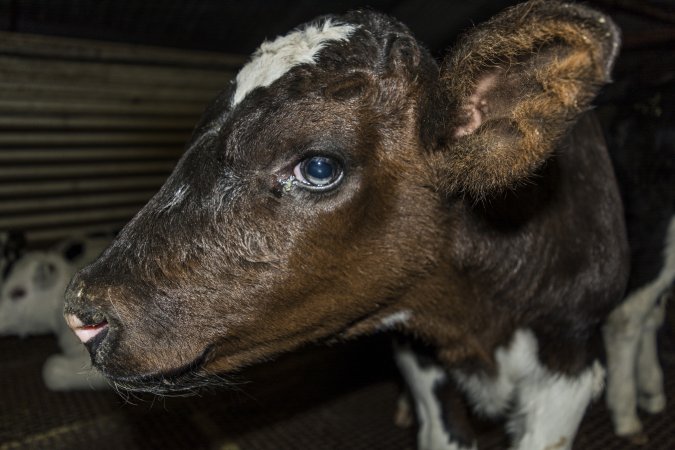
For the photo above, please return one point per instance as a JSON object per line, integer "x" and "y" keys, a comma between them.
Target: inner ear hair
{"x": 515, "y": 85}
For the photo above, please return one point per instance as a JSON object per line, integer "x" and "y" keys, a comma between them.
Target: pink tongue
{"x": 82, "y": 331}
{"x": 87, "y": 332}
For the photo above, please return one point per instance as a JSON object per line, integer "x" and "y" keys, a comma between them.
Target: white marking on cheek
{"x": 392, "y": 320}
{"x": 273, "y": 59}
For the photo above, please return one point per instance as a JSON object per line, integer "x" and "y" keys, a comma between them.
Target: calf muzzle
{"x": 89, "y": 322}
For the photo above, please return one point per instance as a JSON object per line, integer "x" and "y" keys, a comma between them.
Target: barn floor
{"x": 336, "y": 398}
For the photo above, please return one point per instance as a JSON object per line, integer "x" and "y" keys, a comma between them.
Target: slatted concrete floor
{"x": 338, "y": 398}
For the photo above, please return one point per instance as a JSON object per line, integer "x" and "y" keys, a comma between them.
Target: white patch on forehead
{"x": 273, "y": 59}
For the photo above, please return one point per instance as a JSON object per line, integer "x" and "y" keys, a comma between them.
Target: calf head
{"x": 31, "y": 296}
{"x": 314, "y": 194}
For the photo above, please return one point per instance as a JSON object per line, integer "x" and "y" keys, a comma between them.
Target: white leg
{"x": 631, "y": 331}
{"x": 622, "y": 338}
{"x": 651, "y": 396}
{"x": 548, "y": 406}
{"x": 650, "y": 302}
{"x": 423, "y": 381}
{"x": 544, "y": 408}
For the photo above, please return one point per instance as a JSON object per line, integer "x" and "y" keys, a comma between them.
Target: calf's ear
{"x": 512, "y": 87}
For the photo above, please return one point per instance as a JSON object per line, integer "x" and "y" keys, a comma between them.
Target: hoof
{"x": 404, "y": 418}
{"x": 652, "y": 404}
{"x": 628, "y": 428}
{"x": 638, "y": 439}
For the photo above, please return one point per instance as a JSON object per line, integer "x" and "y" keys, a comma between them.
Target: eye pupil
{"x": 319, "y": 171}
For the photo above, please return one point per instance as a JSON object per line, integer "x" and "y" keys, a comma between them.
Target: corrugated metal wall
{"x": 89, "y": 130}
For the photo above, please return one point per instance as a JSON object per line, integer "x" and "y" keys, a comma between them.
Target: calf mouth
{"x": 185, "y": 380}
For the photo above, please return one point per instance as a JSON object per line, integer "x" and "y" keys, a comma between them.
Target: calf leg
{"x": 427, "y": 382}
{"x": 651, "y": 397}
{"x": 544, "y": 408}
{"x": 625, "y": 335}
{"x": 622, "y": 340}
{"x": 550, "y": 406}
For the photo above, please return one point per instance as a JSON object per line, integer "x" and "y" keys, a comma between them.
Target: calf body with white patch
{"x": 347, "y": 183}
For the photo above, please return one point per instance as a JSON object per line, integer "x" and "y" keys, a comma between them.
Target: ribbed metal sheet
{"x": 89, "y": 130}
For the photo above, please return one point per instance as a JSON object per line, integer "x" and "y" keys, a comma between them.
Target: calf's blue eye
{"x": 318, "y": 172}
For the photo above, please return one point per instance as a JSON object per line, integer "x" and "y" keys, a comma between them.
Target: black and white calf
{"x": 643, "y": 152}
{"x": 347, "y": 182}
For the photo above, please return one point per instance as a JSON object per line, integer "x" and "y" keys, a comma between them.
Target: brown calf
{"x": 346, "y": 184}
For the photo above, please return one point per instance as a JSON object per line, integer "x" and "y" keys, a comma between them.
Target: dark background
{"x": 240, "y": 26}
